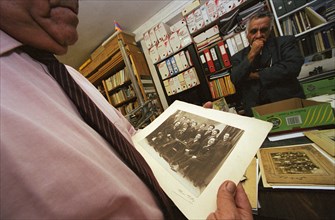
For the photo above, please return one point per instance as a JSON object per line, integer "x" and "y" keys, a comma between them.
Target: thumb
{"x": 226, "y": 193}
{"x": 225, "y": 201}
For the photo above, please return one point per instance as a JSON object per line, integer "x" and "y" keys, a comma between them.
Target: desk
{"x": 294, "y": 203}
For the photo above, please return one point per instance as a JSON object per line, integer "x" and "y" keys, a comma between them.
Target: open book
{"x": 193, "y": 150}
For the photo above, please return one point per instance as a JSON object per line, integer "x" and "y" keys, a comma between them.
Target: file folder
{"x": 224, "y": 54}
{"x": 209, "y": 60}
{"x": 215, "y": 57}
{"x": 204, "y": 62}
{"x": 163, "y": 70}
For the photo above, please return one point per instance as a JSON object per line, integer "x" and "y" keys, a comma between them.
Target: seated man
{"x": 54, "y": 163}
{"x": 267, "y": 70}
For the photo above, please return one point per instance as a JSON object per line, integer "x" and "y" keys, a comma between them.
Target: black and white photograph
{"x": 192, "y": 150}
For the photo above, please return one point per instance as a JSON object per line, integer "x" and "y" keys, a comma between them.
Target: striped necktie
{"x": 94, "y": 117}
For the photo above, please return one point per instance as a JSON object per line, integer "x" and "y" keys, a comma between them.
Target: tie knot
{"x": 42, "y": 56}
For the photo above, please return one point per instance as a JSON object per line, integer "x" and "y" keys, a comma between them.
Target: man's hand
{"x": 256, "y": 48}
{"x": 232, "y": 203}
{"x": 208, "y": 105}
{"x": 254, "y": 75}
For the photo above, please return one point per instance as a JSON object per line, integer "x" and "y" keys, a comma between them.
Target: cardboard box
{"x": 168, "y": 46}
{"x": 162, "y": 50}
{"x": 206, "y": 34}
{"x": 199, "y": 20}
{"x": 190, "y": 21}
{"x": 212, "y": 10}
{"x": 184, "y": 37}
{"x": 179, "y": 24}
{"x": 295, "y": 114}
{"x": 175, "y": 42}
{"x": 190, "y": 7}
{"x": 147, "y": 40}
{"x": 154, "y": 55}
{"x": 204, "y": 13}
{"x": 319, "y": 87}
{"x": 162, "y": 31}
{"x": 153, "y": 37}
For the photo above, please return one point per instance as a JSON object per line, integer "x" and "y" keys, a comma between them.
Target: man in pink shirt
{"x": 54, "y": 165}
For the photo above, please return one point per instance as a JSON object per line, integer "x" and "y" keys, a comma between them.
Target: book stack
{"x": 127, "y": 108}
{"x": 117, "y": 79}
{"x": 317, "y": 42}
{"x": 328, "y": 10}
{"x": 302, "y": 21}
{"x": 221, "y": 87}
{"x": 125, "y": 93}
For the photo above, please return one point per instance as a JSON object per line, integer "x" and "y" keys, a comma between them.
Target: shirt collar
{"x": 7, "y": 43}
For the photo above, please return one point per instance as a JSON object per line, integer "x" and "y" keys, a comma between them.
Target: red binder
{"x": 224, "y": 54}
{"x": 209, "y": 60}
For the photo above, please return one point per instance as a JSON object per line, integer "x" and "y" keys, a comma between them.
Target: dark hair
{"x": 261, "y": 14}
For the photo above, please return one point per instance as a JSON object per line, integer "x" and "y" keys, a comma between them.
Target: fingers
{"x": 226, "y": 207}
{"x": 225, "y": 196}
{"x": 232, "y": 203}
{"x": 257, "y": 45}
{"x": 241, "y": 199}
{"x": 208, "y": 105}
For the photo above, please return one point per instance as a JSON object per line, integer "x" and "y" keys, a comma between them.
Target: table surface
{"x": 294, "y": 203}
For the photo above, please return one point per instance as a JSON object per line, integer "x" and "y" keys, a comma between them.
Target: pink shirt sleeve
{"x": 53, "y": 165}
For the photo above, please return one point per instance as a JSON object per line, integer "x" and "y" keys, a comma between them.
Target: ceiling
{"x": 96, "y": 23}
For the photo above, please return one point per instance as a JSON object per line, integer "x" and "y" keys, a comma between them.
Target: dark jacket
{"x": 280, "y": 64}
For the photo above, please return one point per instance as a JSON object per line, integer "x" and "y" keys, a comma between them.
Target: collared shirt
{"x": 53, "y": 165}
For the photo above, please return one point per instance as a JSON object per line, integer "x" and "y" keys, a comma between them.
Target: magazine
{"x": 192, "y": 150}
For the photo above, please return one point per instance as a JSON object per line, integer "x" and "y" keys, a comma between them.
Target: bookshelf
{"x": 220, "y": 39}
{"x": 181, "y": 77}
{"x": 312, "y": 23}
{"x": 120, "y": 72}
{"x": 215, "y": 24}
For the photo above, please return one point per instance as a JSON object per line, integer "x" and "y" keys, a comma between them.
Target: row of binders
{"x": 181, "y": 82}
{"x": 221, "y": 87}
{"x": 117, "y": 79}
{"x": 237, "y": 42}
{"x": 214, "y": 58}
{"x": 175, "y": 64}
{"x": 317, "y": 42}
